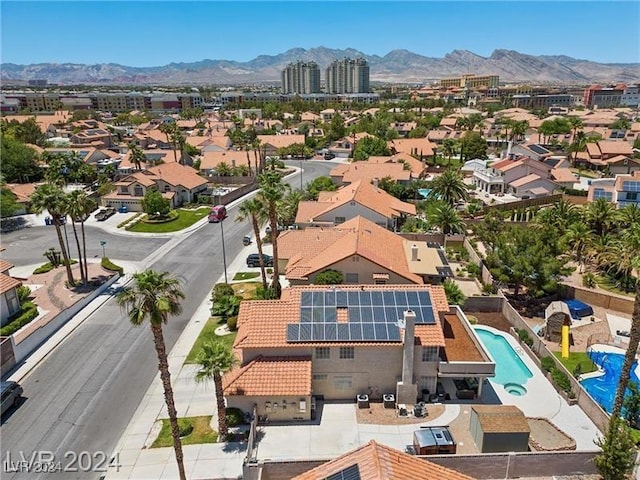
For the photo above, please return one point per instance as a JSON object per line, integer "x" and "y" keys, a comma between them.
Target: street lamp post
{"x": 102, "y": 244}
{"x": 300, "y": 174}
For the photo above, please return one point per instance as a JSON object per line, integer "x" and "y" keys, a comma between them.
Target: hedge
{"x": 47, "y": 267}
{"x": 18, "y": 320}
{"x": 109, "y": 265}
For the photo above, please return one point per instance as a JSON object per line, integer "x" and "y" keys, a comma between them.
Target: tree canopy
{"x": 154, "y": 203}
{"x": 370, "y": 146}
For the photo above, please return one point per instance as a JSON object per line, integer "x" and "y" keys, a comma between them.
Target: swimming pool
{"x": 603, "y": 388}
{"x": 510, "y": 369}
{"x": 424, "y": 192}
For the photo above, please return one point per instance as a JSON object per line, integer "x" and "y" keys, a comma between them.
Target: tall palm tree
{"x": 80, "y": 207}
{"x": 578, "y": 145}
{"x": 518, "y": 129}
{"x": 629, "y": 216}
{"x": 215, "y": 359}
{"x": 254, "y": 209}
{"x": 447, "y": 219}
{"x": 601, "y": 215}
{"x": 577, "y": 238}
{"x": 155, "y": 297}
{"x": 136, "y": 155}
{"x": 449, "y": 187}
{"x": 272, "y": 191}
{"x": 52, "y": 198}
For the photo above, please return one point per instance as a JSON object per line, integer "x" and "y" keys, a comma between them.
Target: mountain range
{"x": 397, "y": 66}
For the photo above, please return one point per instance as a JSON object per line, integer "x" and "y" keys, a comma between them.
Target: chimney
{"x": 409, "y": 340}
{"x": 375, "y": 182}
{"x": 414, "y": 253}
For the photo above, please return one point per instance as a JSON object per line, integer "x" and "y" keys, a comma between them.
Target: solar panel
{"x": 424, "y": 297}
{"x": 306, "y": 314}
{"x": 401, "y": 297}
{"x": 412, "y": 298}
{"x": 318, "y": 299}
{"x": 330, "y": 299}
{"x": 388, "y": 298}
{"x": 443, "y": 257}
{"x": 353, "y": 298}
{"x": 318, "y": 332}
{"x": 341, "y": 299}
{"x": 293, "y": 332}
{"x": 354, "y": 315}
{"x": 368, "y": 331}
{"x": 365, "y": 298}
{"x": 305, "y": 332}
{"x": 381, "y": 331}
{"x": 305, "y": 299}
{"x": 379, "y": 314}
{"x": 343, "y": 332}
{"x": 366, "y": 314}
{"x": 376, "y": 298}
{"x": 355, "y": 331}
{"x": 331, "y": 332}
{"x": 394, "y": 332}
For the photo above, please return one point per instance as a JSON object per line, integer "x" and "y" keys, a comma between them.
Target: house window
{"x": 429, "y": 354}
{"x": 342, "y": 382}
{"x": 320, "y": 377}
{"x": 323, "y": 353}
{"x": 352, "y": 278}
{"x": 167, "y": 188}
{"x": 340, "y": 220}
{"x": 347, "y": 353}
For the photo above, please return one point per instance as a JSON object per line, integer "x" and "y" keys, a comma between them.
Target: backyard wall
{"x": 610, "y": 301}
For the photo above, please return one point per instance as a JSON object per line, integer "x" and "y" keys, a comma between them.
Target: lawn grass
{"x": 208, "y": 333}
{"x": 185, "y": 219}
{"x": 575, "y": 358}
{"x": 245, "y": 275}
{"x": 202, "y": 432}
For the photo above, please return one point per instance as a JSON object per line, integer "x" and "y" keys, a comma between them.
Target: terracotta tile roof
{"x": 618, "y": 158}
{"x": 263, "y": 323}
{"x": 501, "y": 419}
{"x": 23, "y": 190}
{"x": 267, "y": 376}
{"x": 500, "y": 164}
{"x": 361, "y": 192}
{"x": 563, "y": 175}
{"x": 368, "y": 171}
{"x": 7, "y": 283}
{"x": 5, "y": 266}
{"x": 210, "y": 160}
{"x": 197, "y": 140}
{"x": 357, "y": 236}
{"x": 615, "y": 148}
{"x": 280, "y": 141}
{"x": 525, "y": 180}
{"x": 510, "y": 165}
{"x": 413, "y": 146}
{"x": 379, "y": 462}
{"x": 176, "y": 174}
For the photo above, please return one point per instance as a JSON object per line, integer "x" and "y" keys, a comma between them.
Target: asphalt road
{"x": 26, "y": 246}
{"x": 81, "y": 397}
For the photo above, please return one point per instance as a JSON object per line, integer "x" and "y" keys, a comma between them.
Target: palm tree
{"x": 578, "y": 144}
{"x": 601, "y": 215}
{"x": 254, "y": 209}
{"x": 136, "y": 155}
{"x": 272, "y": 191}
{"x": 518, "y": 129}
{"x": 449, "y": 187}
{"x": 53, "y": 199}
{"x": 215, "y": 359}
{"x": 155, "y": 297}
{"x": 576, "y": 124}
{"x": 577, "y": 238}
{"x": 629, "y": 216}
{"x": 447, "y": 219}
{"x": 80, "y": 207}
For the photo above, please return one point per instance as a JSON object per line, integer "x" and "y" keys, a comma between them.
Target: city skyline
{"x": 238, "y": 30}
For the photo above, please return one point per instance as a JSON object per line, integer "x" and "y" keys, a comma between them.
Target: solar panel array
{"x": 372, "y": 315}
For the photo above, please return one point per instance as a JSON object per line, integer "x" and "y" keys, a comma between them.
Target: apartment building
{"x": 301, "y": 77}
{"x": 600, "y": 97}
{"x": 471, "y": 80}
{"x": 347, "y": 76}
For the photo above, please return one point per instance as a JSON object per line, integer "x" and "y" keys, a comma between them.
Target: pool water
{"x": 424, "y": 192}
{"x": 603, "y": 388}
{"x": 510, "y": 369}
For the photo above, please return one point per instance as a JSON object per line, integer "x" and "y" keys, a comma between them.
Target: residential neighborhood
{"x": 350, "y": 270}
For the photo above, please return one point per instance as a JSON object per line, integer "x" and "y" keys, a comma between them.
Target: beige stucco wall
{"x": 365, "y": 270}
{"x": 290, "y": 413}
{"x": 353, "y": 209}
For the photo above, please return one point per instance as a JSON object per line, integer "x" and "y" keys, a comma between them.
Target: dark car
{"x": 11, "y": 395}
{"x": 329, "y": 156}
{"x": 253, "y": 260}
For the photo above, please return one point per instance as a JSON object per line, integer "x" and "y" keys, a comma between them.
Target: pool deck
{"x": 542, "y": 400}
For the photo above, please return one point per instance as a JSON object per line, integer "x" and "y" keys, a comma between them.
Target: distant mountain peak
{"x": 398, "y": 65}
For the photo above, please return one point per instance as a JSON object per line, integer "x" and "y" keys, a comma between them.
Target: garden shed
{"x": 499, "y": 428}
{"x": 556, "y": 315}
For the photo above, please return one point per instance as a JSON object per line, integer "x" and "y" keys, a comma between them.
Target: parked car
{"x": 329, "y": 156}
{"x": 11, "y": 395}
{"x": 253, "y": 260}
{"x": 105, "y": 213}
{"x": 217, "y": 214}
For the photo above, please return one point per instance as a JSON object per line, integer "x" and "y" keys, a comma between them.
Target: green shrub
{"x": 589, "y": 280}
{"x": 232, "y": 323}
{"x": 221, "y": 290}
{"x": 109, "y": 265}
{"x": 473, "y": 269}
{"x": 329, "y": 277}
{"x": 547, "y": 364}
{"x": 473, "y": 320}
{"x": 235, "y": 417}
{"x": 27, "y": 313}
{"x": 561, "y": 380}
{"x": 524, "y": 337}
{"x": 489, "y": 288}
{"x": 185, "y": 427}
{"x": 47, "y": 267}
{"x": 269, "y": 271}
{"x": 23, "y": 293}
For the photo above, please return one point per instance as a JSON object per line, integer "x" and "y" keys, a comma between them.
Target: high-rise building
{"x": 301, "y": 77}
{"x": 348, "y": 76}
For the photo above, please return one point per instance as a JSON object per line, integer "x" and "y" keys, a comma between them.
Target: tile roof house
{"x": 275, "y": 142}
{"x": 616, "y": 156}
{"x": 418, "y": 168}
{"x": 23, "y": 192}
{"x": 210, "y": 160}
{"x": 362, "y": 251}
{"x": 357, "y": 339}
{"x": 177, "y": 182}
{"x": 345, "y": 174}
{"x": 374, "y": 461}
{"x": 520, "y": 175}
{"x": 360, "y": 198}
{"x": 419, "y": 147}
{"x": 343, "y": 147}
{"x": 9, "y": 302}
{"x": 622, "y": 190}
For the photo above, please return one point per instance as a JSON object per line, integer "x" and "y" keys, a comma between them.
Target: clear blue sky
{"x": 156, "y": 33}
